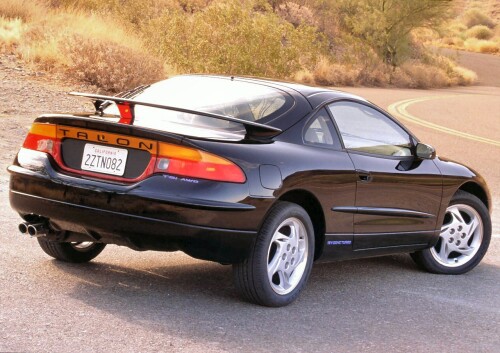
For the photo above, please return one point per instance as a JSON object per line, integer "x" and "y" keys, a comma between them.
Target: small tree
{"x": 387, "y": 24}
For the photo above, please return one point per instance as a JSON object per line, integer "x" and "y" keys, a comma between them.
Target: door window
{"x": 365, "y": 129}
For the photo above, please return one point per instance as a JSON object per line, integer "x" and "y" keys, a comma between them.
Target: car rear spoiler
{"x": 253, "y": 129}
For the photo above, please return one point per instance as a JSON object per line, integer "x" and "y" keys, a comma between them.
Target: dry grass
{"x": 482, "y": 46}
{"x": 331, "y": 74}
{"x": 23, "y": 9}
{"x": 476, "y": 29}
{"x": 79, "y": 43}
{"x": 464, "y": 77}
{"x": 11, "y": 31}
{"x": 304, "y": 76}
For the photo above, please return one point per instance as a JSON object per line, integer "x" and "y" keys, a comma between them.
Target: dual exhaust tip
{"x": 34, "y": 229}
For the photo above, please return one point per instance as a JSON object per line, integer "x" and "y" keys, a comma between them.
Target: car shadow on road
{"x": 203, "y": 280}
{"x": 198, "y": 301}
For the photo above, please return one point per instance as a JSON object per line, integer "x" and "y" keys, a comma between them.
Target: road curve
{"x": 400, "y": 110}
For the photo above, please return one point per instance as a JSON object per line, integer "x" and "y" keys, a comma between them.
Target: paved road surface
{"x": 127, "y": 301}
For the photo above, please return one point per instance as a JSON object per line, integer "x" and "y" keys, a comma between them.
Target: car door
{"x": 333, "y": 181}
{"x": 398, "y": 195}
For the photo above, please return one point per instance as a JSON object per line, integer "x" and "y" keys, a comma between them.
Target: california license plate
{"x": 104, "y": 159}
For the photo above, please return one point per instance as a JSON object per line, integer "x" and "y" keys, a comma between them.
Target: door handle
{"x": 364, "y": 176}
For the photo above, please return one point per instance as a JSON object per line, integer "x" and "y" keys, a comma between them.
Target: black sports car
{"x": 266, "y": 176}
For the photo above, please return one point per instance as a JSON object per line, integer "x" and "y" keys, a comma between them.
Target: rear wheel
{"x": 464, "y": 239}
{"x": 280, "y": 262}
{"x": 71, "y": 252}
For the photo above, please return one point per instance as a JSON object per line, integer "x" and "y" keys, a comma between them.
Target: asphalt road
{"x": 126, "y": 301}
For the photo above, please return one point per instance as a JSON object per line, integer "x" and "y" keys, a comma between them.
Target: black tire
{"x": 456, "y": 262}
{"x": 70, "y": 252}
{"x": 283, "y": 286}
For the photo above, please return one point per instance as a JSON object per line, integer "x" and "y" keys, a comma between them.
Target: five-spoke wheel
{"x": 461, "y": 236}
{"x": 280, "y": 262}
{"x": 287, "y": 256}
{"x": 464, "y": 238}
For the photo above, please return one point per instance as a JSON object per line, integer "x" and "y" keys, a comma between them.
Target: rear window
{"x": 242, "y": 100}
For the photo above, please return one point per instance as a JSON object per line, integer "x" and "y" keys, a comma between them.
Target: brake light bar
{"x": 126, "y": 113}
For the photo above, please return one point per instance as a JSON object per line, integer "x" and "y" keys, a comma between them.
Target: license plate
{"x": 104, "y": 159}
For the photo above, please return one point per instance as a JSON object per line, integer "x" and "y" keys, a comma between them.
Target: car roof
{"x": 307, "y": 98}
{"x": 316, "y": 95}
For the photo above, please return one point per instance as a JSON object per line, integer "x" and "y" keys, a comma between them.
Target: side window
{"x": 319, "y": 130}
{"x": 367, "y": 130}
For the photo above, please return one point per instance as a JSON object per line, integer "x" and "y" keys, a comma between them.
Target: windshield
{"x": 224, "y": 96}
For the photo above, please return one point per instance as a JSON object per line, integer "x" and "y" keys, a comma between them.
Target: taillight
{"x": 169, "y": 158}
{"x": 190, "y": 162}
{"x": 42, "y": 137}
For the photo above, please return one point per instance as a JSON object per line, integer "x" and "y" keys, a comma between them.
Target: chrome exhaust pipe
{"x": 23, "y": 227}
{"x": 38, "y": 230}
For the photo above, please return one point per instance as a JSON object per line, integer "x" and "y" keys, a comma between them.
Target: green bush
{"x": 475, "y": 17}
{"x": 479, "y": 32}
{"x": 232, "y": 38}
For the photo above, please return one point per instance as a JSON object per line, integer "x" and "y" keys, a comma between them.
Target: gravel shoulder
{"x": 25, "y": 94}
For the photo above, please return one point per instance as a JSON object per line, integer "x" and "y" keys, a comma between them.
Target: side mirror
{"x": 425, "y": 151}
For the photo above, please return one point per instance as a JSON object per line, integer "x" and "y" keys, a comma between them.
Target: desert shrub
{"x": 457, "y": 27}
{"x": 232, "y": 38}
{"x": 453, "y": 41}
{"x": 46, "y": 54}
{"x": 192, "y": 6}
{"x": 489, "y": 47}
{"x": 424, "y": 75}
{"x": 23, "y": 9}
{"x": 475, "y": 17}
{"x": 387, "y": 25}
{"x": 296, "y": 14}
{"x": 111, "y": 66}
{"x": 11, "y": 31}
{"x": 482, "y": 46}
{"x": 139, "y": 13}
{"x": 401, "y": 78}
{"x": 332, "y": 74}
{"x": 463, "y": 76}
{"x": 304, "y": 76}
{"x": 86, "y": 47}
{"x": 479, "y": 32}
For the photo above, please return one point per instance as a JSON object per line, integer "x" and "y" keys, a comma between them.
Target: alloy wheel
{"x": 460, "y": 238}
{"x": 287, "y": 256}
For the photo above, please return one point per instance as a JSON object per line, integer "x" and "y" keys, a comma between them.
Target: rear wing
{"x": 126, "y": 108}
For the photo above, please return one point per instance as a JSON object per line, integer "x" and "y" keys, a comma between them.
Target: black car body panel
{"x": 360, "y": 204}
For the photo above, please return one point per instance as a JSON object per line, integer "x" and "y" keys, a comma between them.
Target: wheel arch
{"x": 478, "y": 191}
{"x": 312, "y": 206}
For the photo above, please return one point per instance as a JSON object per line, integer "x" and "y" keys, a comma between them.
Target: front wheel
{"x": 71, "y": 252}
{"x": 280, "y": 262}
{"x": 464, "y": 239}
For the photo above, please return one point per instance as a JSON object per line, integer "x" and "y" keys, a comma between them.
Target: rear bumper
{"x": 143, "y": 216}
